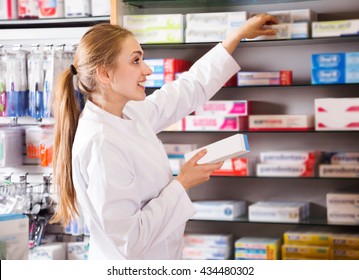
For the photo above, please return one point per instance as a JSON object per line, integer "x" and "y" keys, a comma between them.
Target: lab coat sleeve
{"x": 117, "y": 203}
{"x": 179, "y": 98}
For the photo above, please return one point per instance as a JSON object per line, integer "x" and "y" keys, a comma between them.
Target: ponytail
{"x": 100, "y": 46}
{"x": 66, "y": 112}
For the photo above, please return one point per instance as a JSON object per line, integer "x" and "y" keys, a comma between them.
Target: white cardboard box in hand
{"x": 226, "y": 148}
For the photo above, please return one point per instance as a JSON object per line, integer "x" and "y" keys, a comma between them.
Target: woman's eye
{"x": 136, "y": 61}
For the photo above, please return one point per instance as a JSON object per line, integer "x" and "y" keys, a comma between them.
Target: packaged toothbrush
{"x": 35, "y": 81}
{"x": 16, "y": 83}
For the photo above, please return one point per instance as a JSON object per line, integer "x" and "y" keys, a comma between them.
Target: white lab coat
{"x": 121, "y": 173}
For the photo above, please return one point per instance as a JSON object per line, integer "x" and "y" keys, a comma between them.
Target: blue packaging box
{"x": 335, "y": 60}
{"x": 328, "y": 76}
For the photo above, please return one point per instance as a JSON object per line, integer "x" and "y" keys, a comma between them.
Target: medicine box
{"x": 349, "y": 158}
{"x": 225, "y": 107}
{"x": 226, "y": 148}
{"x": 306, "y": 238}
{"x": 8, "y": 9}
{"x": 214, "y": 123}
{"x": 342, "y": 240}
{"x": 339, "y": 170}
{"x": 169, "y": 22}
{"x": 207, "y": 240}
{"x": 281, "y": 122}
{"x": 206, "y": 253}
{"x": 219, "y": 209}
{"x": 305, "y": 251}
{"x": 77, "y": 8}
{"x": 335, "y": 28}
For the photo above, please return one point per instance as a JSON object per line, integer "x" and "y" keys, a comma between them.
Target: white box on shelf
{"x": 335, "y": 28}
{"x": 278, "y": 211}
{"x": 343, "y": 200}
{"x": 77, "y": 8}
{"x": 226, "y": 148}
{"x": 338, "y": 170}
{"x": 281, "y": 122}
{"x": 154, "y": 22}
{"x": 219, "y": 209}
{"x": 100, "y": 8}
{"x": 8, "y": 9}
{"x": 343, "y": 216}
{"x": 346, "y": 121}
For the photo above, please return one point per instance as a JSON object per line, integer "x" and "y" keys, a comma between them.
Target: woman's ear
{"x": 102, "y": 74}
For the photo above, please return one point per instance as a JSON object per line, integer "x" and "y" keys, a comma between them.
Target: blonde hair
{"x": 100, "y": 46}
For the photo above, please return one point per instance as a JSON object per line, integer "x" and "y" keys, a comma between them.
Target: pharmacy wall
{"x": 298, "y": 172}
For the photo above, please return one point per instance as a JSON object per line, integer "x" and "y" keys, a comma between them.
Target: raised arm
{"x": 252, "y": 28}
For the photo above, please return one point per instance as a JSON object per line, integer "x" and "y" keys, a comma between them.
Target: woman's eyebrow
{"x": 137, "y": 52}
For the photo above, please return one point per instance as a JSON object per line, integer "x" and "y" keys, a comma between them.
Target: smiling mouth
{"x": 141, "y": 84}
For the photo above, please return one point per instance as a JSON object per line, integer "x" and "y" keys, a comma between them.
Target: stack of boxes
{"x": 165, "y": 70}
{"x": 257, "y": 248}
{"x": 343, "y": 208}
{"x": 306, "y": 246}
{"x": 335, "y": 68}
{"x": 212, "y": 27}
{"x": 156, "y": 29}
{"x": 320, "y": 245}
{"x": 339, "y": 165}
{"x": 287, "y": 164}
{"x": 344, "y": 246}
{"x": 219, "y": 115}
{"x": 207, "y": 246}
{"x": 292, "y": 24}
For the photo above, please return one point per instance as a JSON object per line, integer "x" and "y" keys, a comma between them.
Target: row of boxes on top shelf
{"x": 327, "y": 68}
{"x": 341, "y": 208}
{"x": 235, "y": 115}
{"x": 214, "y": 27}
{"x": 294, "y": 245}
{"x": 275, "y": 163}
{"x": 38, "y": 142}
{"x": 33, "y": 9}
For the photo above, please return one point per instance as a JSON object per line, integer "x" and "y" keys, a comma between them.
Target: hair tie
{"x": 73, "y": 70}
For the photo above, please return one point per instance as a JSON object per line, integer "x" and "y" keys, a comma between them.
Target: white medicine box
{"x": 77, "y": 8}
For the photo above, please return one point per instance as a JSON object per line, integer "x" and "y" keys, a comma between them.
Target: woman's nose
{"x": 148, "y": 71}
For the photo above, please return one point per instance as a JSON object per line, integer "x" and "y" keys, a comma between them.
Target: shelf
{"x": 200, "y": 3}
{"x": 52, "y": 22}
{"x": 285, "y": 178}
{"x": 259, "y": 43}
{"x": 278, "y": 86}
{"x": 309, "y": 221}
{"x": 267, "y": 131}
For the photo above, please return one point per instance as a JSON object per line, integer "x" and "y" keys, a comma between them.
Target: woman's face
{"x": 129, "y": 76}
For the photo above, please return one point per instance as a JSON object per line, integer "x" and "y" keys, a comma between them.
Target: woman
{"x": 108, "y": 162}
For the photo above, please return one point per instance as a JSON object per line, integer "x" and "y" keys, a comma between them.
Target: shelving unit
{"x": 295, "y": 99}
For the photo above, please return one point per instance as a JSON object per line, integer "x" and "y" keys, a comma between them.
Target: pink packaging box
{"x": 281, "y": 122}
{"x": 225, "y": 107}
{"x": 214, "y": 123}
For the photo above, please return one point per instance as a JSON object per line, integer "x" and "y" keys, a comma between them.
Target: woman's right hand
{"x": 193, "y": 174}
